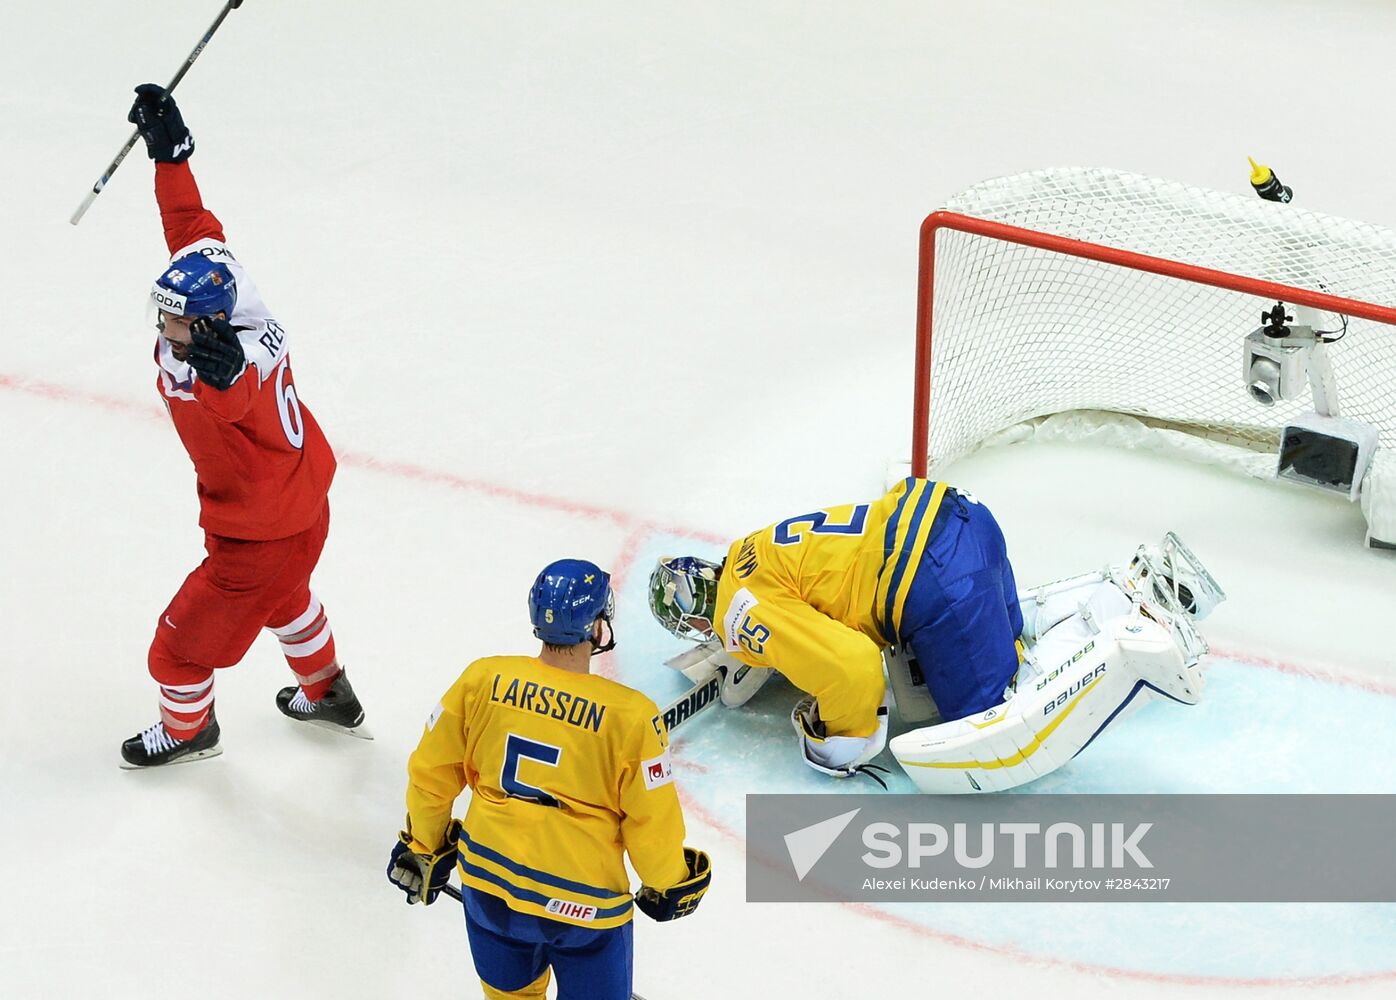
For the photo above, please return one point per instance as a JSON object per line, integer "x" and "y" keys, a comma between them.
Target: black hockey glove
{"x": 161, "y": 125}
{"x": 683, "y": 898}
{"x": 216, "y": 353}
{"x": 423, "y": 876}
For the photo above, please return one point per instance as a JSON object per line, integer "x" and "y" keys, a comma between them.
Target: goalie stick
{"x": 231, "y": 5}
{"x": 698, "y": 699}
{"x": 707, "y": 665}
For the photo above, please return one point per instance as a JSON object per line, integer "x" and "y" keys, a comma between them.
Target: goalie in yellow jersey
{"x": 568, "y": 772}
{"x": 924, "y": 571}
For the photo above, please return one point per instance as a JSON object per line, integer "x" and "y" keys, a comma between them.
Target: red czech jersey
{"x": 263, "y": 465}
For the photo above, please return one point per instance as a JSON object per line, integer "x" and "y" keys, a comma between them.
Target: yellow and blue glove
{"x": 682, "y": 899}
{"x": 423, "y": 876}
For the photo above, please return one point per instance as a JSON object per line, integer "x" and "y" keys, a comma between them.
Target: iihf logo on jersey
{"x": 571, "y": 910}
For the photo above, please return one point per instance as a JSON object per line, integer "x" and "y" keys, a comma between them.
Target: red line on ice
{"x": 384, "y": 466}
{"x": 640, "y": 529}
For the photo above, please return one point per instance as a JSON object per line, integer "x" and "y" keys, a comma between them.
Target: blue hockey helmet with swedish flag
{"x": 567, "y": 599}
{"x": 196, "y": 286}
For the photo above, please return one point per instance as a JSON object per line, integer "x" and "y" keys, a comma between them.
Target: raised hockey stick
{"x": 231, "y": 5}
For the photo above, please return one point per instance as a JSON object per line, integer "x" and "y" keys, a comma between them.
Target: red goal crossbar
{"x": 936, "y": 221}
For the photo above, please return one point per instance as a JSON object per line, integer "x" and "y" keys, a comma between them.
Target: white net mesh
{"x": 1020, "y": 333}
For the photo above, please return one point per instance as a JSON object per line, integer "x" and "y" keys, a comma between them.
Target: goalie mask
{"x": 683, "y": 596}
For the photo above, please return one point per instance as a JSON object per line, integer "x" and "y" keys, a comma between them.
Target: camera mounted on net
{"x": 1319, "y": 448}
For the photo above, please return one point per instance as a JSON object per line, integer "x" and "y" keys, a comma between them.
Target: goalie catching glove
{"x": 423, "y": 876}
{"x": 682, "y": 899}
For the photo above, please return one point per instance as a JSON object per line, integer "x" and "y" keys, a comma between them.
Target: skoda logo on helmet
{"x": 172, "y": 301}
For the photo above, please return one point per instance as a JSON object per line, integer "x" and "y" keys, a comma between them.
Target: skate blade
{"x": 188, "y": 759}
{"x": 359, "y": 732}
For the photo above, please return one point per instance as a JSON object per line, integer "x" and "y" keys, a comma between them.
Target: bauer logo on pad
{"x": 658, "y": 770}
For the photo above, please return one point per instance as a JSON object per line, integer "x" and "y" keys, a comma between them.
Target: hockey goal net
{"x": 1123, "y": 301}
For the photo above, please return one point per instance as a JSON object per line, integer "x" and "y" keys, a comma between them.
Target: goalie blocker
{"x": 1103, "y": 645}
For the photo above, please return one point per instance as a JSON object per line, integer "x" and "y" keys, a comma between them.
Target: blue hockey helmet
{"x": 567, "y": 599}
{"x": 196, "y": 286}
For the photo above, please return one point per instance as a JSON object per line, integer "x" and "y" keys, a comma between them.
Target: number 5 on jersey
{"x": 518, "y": 749}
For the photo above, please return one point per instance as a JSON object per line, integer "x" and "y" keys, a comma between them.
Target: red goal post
{"x": 1087, "y": 289}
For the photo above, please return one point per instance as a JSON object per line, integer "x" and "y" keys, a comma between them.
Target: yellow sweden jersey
{"x": 818, "y": 595}
{"x": 567, "y": 772}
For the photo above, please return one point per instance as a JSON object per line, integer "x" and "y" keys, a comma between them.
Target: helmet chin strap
{"x": 597, "y": 646}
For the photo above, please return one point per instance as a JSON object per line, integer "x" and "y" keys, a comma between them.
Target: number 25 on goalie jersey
{"x": 818, "y": 595}
{"x": 568, "y": 773}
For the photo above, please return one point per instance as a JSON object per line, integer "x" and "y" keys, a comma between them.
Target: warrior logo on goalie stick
{"x": 696, "y": 701}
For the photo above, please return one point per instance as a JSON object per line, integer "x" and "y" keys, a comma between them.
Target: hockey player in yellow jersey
{"x": 817, "y": 596}
{"x": 1021, "y": 683}
{"x": 568, "y": 771}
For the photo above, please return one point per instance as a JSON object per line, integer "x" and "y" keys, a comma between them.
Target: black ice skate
{"x": 154, "y": 747}
{"x": 339, "y": 710}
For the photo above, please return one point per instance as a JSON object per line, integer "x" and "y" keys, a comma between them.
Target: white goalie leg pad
{"x": 739, "y": 681}
{"x": 908, "y": 686}
{"x": 1049, "y": 605}
{"x": 839, "y": 756}
{"x": 1097, "y": 668}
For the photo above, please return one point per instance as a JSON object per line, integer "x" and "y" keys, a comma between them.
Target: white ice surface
{"x": 576, "y": 279}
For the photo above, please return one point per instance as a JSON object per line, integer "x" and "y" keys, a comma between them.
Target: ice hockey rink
{"x": 612, "y": 280}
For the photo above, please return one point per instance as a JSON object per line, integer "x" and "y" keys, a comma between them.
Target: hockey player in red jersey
{"x": 263, "y": 469}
